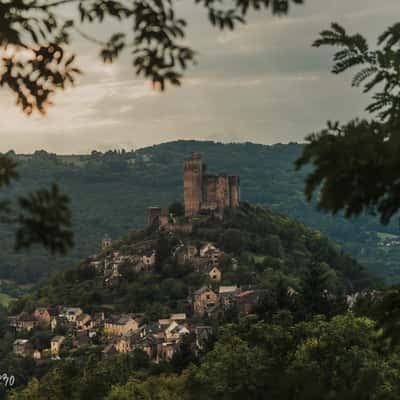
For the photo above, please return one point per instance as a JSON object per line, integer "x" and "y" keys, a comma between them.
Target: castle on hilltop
{"x": 205, "y": 192}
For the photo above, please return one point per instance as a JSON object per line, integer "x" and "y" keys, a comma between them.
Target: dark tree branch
{"x": 155, "y": 40}
{"x": 357, "y": 165}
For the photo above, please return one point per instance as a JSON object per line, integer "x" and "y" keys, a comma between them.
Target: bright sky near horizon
{"x": 262, "y": 83}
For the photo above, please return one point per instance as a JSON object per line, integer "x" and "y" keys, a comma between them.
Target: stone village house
{"x": 23, "y": 322}
{"x": 120, "y": 324}
{"x": 84, "y": 321}
{"x": 227, "y": 295}
{"x": 214, "y": 273}
{"x": 55, "y": 344}
{"x": 44, "y": 315}
{"x": 72, "y": 313}
{"x": 203, "y": 299}
{"x": 22, "y": 347}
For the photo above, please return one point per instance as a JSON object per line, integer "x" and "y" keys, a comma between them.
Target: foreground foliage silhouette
{"x": 357, "y": 165}
{"x": 35, "y": 38}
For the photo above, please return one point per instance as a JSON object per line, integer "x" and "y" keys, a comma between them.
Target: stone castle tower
{"x": 208, "y": 192}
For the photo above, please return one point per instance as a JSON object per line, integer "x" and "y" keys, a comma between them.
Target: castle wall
{"x": 181, "y": 228}
{"x": 222, "y": 194}
{"x": 209, "y": 200}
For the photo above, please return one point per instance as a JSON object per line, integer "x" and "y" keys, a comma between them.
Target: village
{"x": 72, "y": 328}
{"x": 125, "y": 332}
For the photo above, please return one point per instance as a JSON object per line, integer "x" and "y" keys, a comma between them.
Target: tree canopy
{"x": 35, "y": 38}
{"x": 356, "y": 165}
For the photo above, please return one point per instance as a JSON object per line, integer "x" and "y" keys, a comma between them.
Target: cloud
{"x": 262, "y": 83}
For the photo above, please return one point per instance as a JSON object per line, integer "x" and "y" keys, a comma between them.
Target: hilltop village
{"x": 170, "y": 286}
{"x": 206, "y": 197}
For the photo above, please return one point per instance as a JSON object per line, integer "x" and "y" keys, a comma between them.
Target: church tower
{"x": 106, "y": 242}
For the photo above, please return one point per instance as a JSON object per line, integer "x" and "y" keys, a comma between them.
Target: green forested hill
{"x": 262, "y": 250}
{"x": 269, "y": 247}
{"x": 111, "y": 191}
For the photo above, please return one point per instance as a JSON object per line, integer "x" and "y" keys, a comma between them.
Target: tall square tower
{"x": 193, "y": 184}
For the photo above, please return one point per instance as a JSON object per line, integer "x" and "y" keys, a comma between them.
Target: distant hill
{"x": 111, "y": 191}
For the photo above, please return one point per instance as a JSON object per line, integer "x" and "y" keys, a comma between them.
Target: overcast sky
{"x": 262, "y": 83}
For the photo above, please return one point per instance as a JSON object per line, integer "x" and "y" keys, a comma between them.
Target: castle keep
{"x": 205, "y": 192}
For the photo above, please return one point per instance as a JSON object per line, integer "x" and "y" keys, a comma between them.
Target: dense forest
{"x": 275, "y": 351}
{"x": 110, "y": 192}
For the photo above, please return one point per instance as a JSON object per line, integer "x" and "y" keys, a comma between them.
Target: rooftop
{"x": 227, "y": 289}
{"x": 21, "y": 341}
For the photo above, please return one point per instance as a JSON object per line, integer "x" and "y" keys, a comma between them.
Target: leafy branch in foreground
{"x": 357, "y": 165}
{"x": 42, "y": 217}
{"x": 45, "y": 219}
{"x": 34, "y": 38}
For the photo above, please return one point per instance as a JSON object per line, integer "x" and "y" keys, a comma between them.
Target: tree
{"x": 388, "y": 312}
{"x": 344, "y": 358}
{"x": 42, "y": 217}
{"x": 336, "y": 358}
{"x": 162, "y": 250}
{"x": 185, "y": 353}
{"x": 232, "y": 240}
{"x": 277, "y": 294}
{"x": 37, "y": 37}
{"x": 272, "y": 245}
{"x": 318, "y": 288}
{"x": 232, "y": 370}
{"x": 360, "y": 157}
{"x": 177, "y": 209}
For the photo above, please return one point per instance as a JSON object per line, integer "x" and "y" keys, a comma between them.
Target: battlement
{"x": 206, "y": 192}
